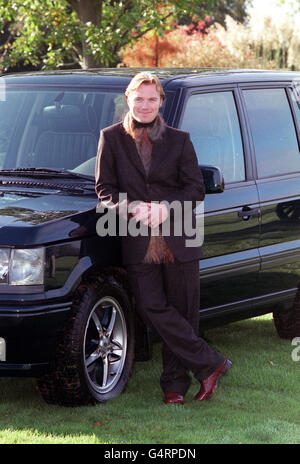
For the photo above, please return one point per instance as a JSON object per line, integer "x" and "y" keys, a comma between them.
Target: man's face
{"x": 144, "y": 103}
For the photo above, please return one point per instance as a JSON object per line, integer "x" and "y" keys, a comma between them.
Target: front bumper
{"x": 30, "y": 336}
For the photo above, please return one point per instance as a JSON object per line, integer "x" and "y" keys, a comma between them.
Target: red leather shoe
{"x": 173, "y": 397}
{"x": 209, "y": 385}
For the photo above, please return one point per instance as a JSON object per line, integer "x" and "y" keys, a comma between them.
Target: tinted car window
{"x": 273, "y": 131}
{"x": 212, "y": 121}
{"x": 55, "y": 128}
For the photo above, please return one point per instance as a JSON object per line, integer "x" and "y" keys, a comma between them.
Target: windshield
{"x": 55, "y": 128}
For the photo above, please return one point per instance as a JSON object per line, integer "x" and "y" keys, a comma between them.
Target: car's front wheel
{"x": 95, "y": 352}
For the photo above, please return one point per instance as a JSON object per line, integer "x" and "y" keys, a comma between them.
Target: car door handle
{"x": 246, "y": 212}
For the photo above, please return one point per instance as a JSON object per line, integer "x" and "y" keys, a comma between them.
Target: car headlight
{"x": 22, "y": 266}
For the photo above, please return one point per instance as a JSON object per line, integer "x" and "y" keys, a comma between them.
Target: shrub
{"x": 187, "y": 46}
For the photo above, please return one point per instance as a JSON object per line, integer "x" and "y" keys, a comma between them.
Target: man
{"x": 156, "y": 165}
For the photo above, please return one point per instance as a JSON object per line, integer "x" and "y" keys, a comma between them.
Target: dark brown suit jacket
{"x": 174, "y": 175}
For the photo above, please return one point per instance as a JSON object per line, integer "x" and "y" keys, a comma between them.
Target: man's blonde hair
{"x": 145, "y": 77}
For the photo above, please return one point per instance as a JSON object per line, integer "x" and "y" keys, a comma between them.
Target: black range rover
{"x": 66, "y": 312}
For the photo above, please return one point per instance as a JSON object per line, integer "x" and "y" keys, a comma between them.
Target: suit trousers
{"x": 168, "y": 299}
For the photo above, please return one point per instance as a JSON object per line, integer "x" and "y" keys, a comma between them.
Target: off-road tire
{"x": 92, "y": 365}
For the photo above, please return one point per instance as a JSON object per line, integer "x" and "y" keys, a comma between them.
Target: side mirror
{"x": 213, "y": 179}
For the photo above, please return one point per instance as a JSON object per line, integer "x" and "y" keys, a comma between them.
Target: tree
{"x": 39, "y": 34}
{"x": 236, "y": 9}
{"x": 80, "y": 33}
{"x": 109, "y": 25}
{"x": 221, "y": 9}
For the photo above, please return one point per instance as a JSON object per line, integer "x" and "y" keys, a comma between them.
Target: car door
{"x": 229, "y": 269}
{"x": 273, "y": 117}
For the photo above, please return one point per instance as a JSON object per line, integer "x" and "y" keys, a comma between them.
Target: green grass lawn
{"x": 257, "y": 402}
